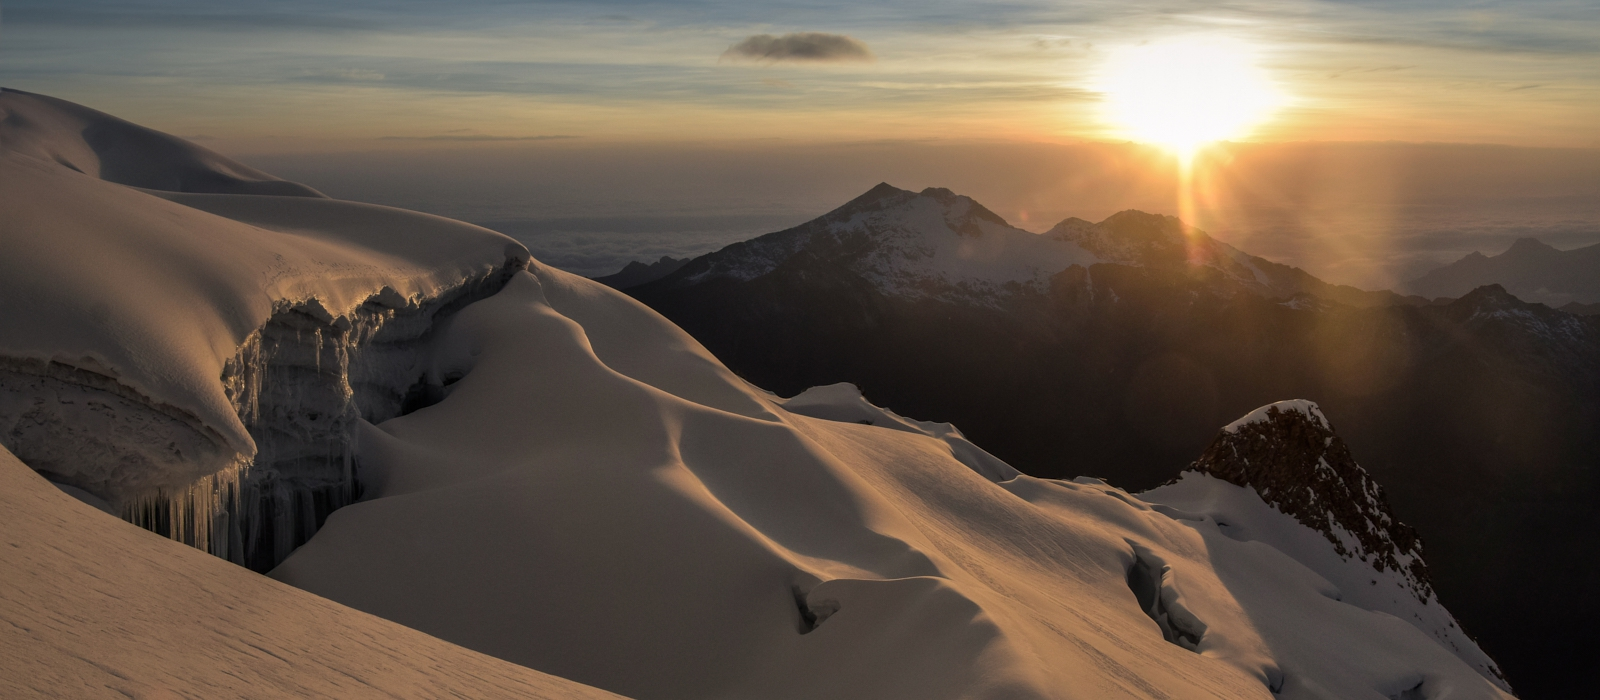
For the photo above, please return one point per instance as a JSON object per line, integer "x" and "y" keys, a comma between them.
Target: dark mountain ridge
{"x": 1478, "y": 414}
{"x": 1530, "y": 269}
{"x": 636, "y": 273}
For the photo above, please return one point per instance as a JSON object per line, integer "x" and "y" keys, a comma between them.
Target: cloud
{"x": 800, "y": 47}
{"x": 341, "y": 75}
{"x": 477, "y": 137}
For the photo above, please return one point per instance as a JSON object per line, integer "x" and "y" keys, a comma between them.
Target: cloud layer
{"x": 1493, "y": 71}
{"x": 799, "y": 47}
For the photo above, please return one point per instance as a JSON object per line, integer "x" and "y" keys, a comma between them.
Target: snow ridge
{"x": 1264, "y": 414}
{"x": 843, "y": 402}
{"x": 102, "y": 146}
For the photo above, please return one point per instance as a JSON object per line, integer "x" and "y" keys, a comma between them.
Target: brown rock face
{"x": 1290, "y": 455}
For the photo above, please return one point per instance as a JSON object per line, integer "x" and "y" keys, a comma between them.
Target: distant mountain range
{"x": 637, "y": 273}
{"x": 1114, "y": 348}
{"x": 1531, "y": 270}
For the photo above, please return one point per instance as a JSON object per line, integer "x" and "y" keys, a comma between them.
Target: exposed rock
{"x": 1290, "y": 455}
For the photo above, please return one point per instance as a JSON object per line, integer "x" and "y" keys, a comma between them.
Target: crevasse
{"x": 299, "y": 383}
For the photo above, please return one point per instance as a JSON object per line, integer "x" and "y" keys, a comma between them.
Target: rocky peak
{"x": 1289, "y": 454}
{"x": 874, "y": 198}
{"x": 959, "y": 211}
{"x": 1131, "y": 237}
{"x": 1490, "y": 296}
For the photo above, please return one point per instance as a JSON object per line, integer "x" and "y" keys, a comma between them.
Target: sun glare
{"x": 1184, "y": 92}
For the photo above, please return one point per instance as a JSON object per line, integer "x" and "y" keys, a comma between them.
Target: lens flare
{"x": 1184, "y": 92}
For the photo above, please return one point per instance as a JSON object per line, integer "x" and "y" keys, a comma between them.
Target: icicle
{"x": 199, "y": 515}
{"x": 300, "y": 385}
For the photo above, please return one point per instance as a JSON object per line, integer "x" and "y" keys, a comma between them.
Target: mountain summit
{"x": 1289, "y": 454}
{"x": 932, "y": 243}
{"x": 937, "y": 244}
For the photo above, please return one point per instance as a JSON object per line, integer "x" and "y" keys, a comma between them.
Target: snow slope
{"x": 92, "y": 607}
{"x": 594, "y": 486}
{"x": 105, "y": 147}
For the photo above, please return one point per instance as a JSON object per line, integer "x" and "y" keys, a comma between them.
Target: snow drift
{"x": 554, "y": 475}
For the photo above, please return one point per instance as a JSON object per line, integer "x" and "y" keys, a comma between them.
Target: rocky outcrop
{"x": 1289, "y": 454}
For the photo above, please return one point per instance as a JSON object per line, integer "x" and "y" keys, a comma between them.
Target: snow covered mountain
{"x": 939, "y": 245}
{"x": 1529, "y": 269}
{"x": 547, "y": 472}
{"x": 1125, "y": 361}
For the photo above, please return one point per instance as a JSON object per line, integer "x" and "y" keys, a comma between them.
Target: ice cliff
{"x": 123, "y": 307}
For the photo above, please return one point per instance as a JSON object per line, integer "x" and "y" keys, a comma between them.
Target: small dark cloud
{"x": 800, "y": 47}
{"x": 478, "y": 137}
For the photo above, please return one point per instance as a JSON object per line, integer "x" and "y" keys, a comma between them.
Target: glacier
{"x": 195, "y": 358}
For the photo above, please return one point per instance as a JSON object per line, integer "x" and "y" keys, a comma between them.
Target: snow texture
{"x": 92, "y": 607}
{"x": 844, "y": 402}
{"x": 595, "y": 470}
{"x": 1212, "y": 505}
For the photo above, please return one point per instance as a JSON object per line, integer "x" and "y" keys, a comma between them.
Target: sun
{"x": 1185, "y": 92}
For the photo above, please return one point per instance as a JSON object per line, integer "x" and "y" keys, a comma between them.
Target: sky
{"x": 603, "y": 130}
{"x": 1521, "y": 73}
